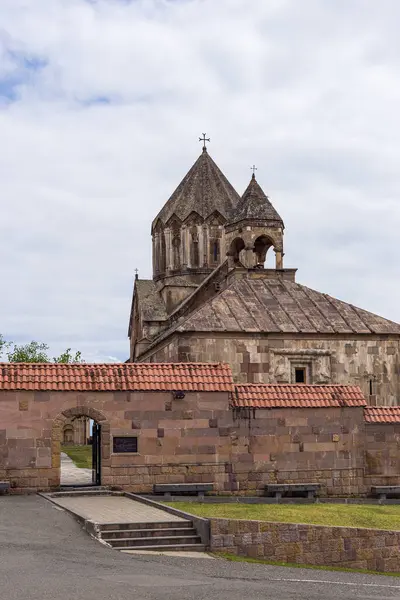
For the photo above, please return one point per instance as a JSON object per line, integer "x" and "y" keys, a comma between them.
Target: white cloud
{"x": 102, "y": 105}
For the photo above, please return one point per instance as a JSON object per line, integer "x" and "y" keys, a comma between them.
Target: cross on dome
{"x": 204, "y": 139}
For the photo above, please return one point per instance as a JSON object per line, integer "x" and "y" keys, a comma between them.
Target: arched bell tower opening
{"x": 259, "y": 228}
{"x": 235, "y": 249}
{"x": 261, "y": 246}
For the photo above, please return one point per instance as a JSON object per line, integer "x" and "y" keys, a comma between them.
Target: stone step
{"x": 145, "y": 533}
{"x": 65, "y": 487}
{"x": 84, "y": 492}
{"x": 177, "y": 548}
{"x": 176, "y": 540}
{"x": 150, "y": 525}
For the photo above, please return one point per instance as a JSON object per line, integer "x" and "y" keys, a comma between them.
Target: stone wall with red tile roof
{"x": 194, "y": 438}
{"x": 382, "y": 414}
{"x": 297, "y": 396}
{"x": 382, "y": 435}
{"x": 208, "y": 377}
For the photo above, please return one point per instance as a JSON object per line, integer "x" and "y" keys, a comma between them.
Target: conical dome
{"x": 255, "y": 205}
{"x": 204, "y": 190}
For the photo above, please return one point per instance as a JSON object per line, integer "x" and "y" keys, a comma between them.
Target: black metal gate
{"x": 96, "y": 454}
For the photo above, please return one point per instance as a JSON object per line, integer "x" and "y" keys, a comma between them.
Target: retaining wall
{"x": 373, "y": 549}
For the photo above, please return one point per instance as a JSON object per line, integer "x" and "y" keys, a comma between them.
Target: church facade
{"x": 212, "y": 299}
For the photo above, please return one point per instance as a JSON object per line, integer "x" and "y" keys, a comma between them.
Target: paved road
{"x": 45, "y": 555}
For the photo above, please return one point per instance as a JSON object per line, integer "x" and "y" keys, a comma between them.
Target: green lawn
{"x": 81, "y": 455}
{"x": 345, "y": 515}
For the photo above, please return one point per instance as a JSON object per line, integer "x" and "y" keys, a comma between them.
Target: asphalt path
{"x": 45, "y": 555}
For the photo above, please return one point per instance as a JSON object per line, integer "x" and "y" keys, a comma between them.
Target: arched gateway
{"x": 100, "y": 438}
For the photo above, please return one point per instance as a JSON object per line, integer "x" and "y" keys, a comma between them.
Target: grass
{"x": 81, "y": 455}
{"x": 342, "y": 515}
{"x": 235, "y": 558}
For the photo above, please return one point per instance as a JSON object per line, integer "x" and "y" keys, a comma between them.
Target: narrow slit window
{"x": 216, "y": 251}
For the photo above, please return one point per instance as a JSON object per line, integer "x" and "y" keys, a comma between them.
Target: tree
{"x": 3, "y": 345}
{"x": 35, "y": 352}
{"x": 67, "y": 357}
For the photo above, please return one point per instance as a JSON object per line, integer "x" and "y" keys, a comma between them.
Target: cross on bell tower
{"x": 204, "y": 139}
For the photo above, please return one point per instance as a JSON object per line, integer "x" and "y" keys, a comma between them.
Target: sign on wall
{"x": 125, "y": 444}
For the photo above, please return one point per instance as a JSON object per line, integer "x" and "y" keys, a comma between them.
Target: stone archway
{"x": 58, "y": 432}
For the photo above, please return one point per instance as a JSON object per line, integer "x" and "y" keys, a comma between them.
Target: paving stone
{"x": 71, "y": 474}
{"x": 109, "y": 509}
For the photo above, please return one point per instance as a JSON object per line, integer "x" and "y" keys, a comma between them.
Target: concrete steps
{"x": 176, "y": 548}
{"x": 74, "y": 491}
{"x": 83, "y": 488}
{"x": 168, "y": 535}
{"x": 147, "y": 533}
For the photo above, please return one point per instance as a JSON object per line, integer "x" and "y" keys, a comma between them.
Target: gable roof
{"x": 204, "y": 190}
{"x": 296, "y": 396}
{"x": 279, "y": 306}
{"x": 255, "y": 205}
{"x": 151, "y": 304}
{"x": 130, "y": 377}
{"x": 382, "y": 414}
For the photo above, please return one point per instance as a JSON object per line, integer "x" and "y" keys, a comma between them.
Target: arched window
{"x": 163, "y": 254}
{"x": 68, "y": 434}
{"x": 216, "y": 251}
{"x": 215, "y": 245}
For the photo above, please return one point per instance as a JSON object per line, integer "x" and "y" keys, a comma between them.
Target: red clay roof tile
{"x": 209, "y": 377}
{"x": 296, "y": 396}
{"x": 382, "y": 414}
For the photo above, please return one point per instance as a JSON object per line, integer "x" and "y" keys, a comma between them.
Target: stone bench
{"x": 280, "y": 489}
{"x": 382, "y": 491}
{"x": 4, "y": 487}
{"x": 182, "y": 488}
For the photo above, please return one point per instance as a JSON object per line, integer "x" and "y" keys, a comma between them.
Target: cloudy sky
{"x": 101, "y": 106}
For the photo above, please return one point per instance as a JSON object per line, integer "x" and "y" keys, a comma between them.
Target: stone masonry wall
{"x": 369, "y": 361}
{"x": 167, "y": 353}
{"x": 382, "y": 454}
{"x": 372, "y": 549}
{"x": 178, "y": 440}
{"x": 197, "y": 439}
{"x": 299, "y": 445}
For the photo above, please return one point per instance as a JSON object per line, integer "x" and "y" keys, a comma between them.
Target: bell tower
{"x": 254, "y": 228}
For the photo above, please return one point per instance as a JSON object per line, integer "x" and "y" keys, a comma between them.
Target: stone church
{"x": 212, "y": 298}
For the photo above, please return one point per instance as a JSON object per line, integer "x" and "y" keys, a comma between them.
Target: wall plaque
{"x": 125, "y": 444}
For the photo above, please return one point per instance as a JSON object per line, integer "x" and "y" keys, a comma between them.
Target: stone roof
{"x": 382, "y": 414}
{"x": 179, "y": 280}
{"x": 278, "y": 306}
{"x": 264, "y": 395}
{"x": 255, "y": 205}
{"x": 130, "y": 377}
{"x": 152, "y": 307}
{"x": 204, "y": 190}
